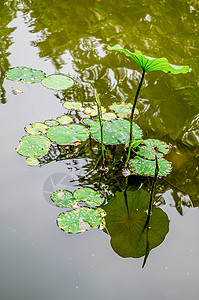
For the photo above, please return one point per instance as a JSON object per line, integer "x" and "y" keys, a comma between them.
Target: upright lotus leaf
{"x": 94, "y": 111}
{"x": 125, "y": 222}
{"x": 147, "y": 167}
{"x": 114, "y": 132}
{"x": 57, "y": 82}
{"x": 69, "y": 134}
{"x": 152, "y": 64}
{"x": 123, "y": 110}
{"x": 151, "y": 148}
{"x": 33, "y": 145}
{"x": 89, "y": 196}
{"x": 36, "y": 128}
{"x": 63, "y": 198}
{"x": 32, "y": 161}
{"x": 74, "y": 221}
{"x": 64, "y": 119}
{"x": 51, "y": 123}
{"x": 26, "y": 75}
{"x": 73, "y": 105}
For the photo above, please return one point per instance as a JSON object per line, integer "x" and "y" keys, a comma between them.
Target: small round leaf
{"x": 57, "y": 82}
{"x": 88, "y": 195}
{"x": 26, "y": 75}
{"x": 33, "y": 145}
{"x": 63, "y": 198}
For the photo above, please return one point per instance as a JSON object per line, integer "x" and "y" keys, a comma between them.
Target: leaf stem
{"x": 101, "y": 128}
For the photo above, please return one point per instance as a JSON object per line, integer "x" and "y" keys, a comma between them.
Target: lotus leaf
{"x": 152, "y": 64}
{"x": 73, "y": 105}
{"x": 33, "y": 145}
{"x": 88, "y": 195}
{"x": 63, "y": 198}
{"x": 36, "y": 128}
{"x": 32, "y": 161}
{"x": 69, "y": 134}
{"x": 152, "y": 148}
{"x": 123, "y": 110}
{"x": 73, "y": 221}
{"x": 125, "y": 221}
{"x": 114, "y": 132}
{"x": 26, "y": 75}
{"x": 51, "y": 122}
{"x": 147, "y": 167}
{"x": 64, "y": 119}
{"x": 57, "y": 82}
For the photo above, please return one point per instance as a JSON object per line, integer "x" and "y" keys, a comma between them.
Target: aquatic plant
{"x": 80, "y": 218}
{"x": 147, "y": 64}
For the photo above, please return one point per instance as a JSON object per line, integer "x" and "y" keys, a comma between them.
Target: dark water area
{"x": 38, "y": 260}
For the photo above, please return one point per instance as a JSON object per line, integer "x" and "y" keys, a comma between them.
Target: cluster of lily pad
{"x": 84, "y": 213}
{"x": 29, "y": 75}
{"x": 63, "y": 131}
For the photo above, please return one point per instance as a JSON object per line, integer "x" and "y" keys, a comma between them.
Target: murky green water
{"x": 38, "y": 260}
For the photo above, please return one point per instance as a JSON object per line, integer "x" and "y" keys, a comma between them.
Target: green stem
{"x": 101, "y": 128}
{"x": 131, "y": 118}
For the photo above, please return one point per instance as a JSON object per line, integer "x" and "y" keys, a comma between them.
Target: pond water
{"x": 38, "y": 260}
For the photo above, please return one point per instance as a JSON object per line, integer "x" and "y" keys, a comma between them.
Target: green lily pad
{"x": 123, "y": 110}
{"x": 64, "y": 119}
{"x": 69, "y": 134}
{"x": 147, "y": 167}
{"x": 89, "y": 196}
{"x": 125, "y": 222}
{"x": 63, "y": 198}
{"x": 73, "y": 105}
{"x": 93, "y": 111}
{"x": 51, "y": 122}
{"x": 73, "y": 221}
{"x": 57, "y": 82}
{"x": 32, "y": 161}
{"x": 26, "y": 75}
{"x": 108, "y": 116}
{"x": 152, "y": 148}
{"x": 36, "y": 128}
{"x": 114, "y": 132}
{"x": 152, "y": 64}
{"x": 33, "y": 145}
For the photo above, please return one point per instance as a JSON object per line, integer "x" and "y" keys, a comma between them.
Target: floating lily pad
{"x": 108, "y": 116}
{"x": 36, "y": 128}
{"x": 64, "y": 119}
{"x": 94, "y": 111}
{"x": 57, "y": 82}
{"x": 151, "y": 148}
{"x": 63, "y": 198}
{"x": 152, "y": 64}
{"x": 34, "y": 145}
{"x": 125, "y": 221}
{"x": 123, "y": 110}
{"x": 32, "y": 161}
{"x": 73, "y": 221}
{"x": 89, "y": 196}
{"x": 73, "y": 105}
{"x": 26, "y": 75}
{"x": 69, "y": 134}
{"x": 51, "y": 122}
{"x": 114, "y": 132}
{"x": 147, "y": 167}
